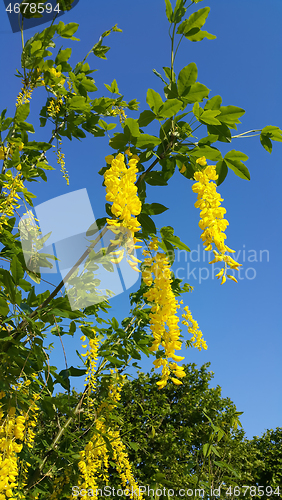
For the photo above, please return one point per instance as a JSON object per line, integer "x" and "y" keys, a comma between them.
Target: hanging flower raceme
{"x": 163, "y": 316}
{"x": 193, "y": 328}
{"x": 90, "y": 379}
{"x": 16, "y": 432}
{"x": 54, "y": 106}
{"x": 118, "y": 110}
{"x": 212, "y": 220}
{"x": 94, "y": 463}
{"x": 121, "y": 190}
{"x": 62, "y": 163}
{"x": 9, "y": 200}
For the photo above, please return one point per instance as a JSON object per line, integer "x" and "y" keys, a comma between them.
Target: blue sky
{"x": 240, "y": 322}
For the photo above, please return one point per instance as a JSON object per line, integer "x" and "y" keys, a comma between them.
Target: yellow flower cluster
{"x": 25, "y": 94}
{"x": 54, "y": 106}
{"x": 31, "y": 419}
{"x": 62, "y": 163}
{"x": 193, "y": 328}
{"x": 8, "y": 152}
{"x": 59, "y": 484}
{"x": 117, "y": 110}
{"x": 212, "y": 220}
{"x": 12, "y": 430}
{"x": 34, "y": 79}
{"x": 57, "y": 74}
{"x": 92, "y": 355}
{"x": 90, "y": 379}
{"x": 56, "y": 77}
{"x": 163, "y": 315}
{"x": 122, "y": 192}
{"x": 94, "y": 464}
{"x": 8, "y": 200}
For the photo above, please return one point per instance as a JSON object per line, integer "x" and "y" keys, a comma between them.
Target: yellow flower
{"x": 193, "y": 329}
{"x": 212, "y": 220}
{"x": 109, "y": 159}
{"x": 163, "y": 316}
{"x": 202, "y": 161}
{"x": 121, "y": 191}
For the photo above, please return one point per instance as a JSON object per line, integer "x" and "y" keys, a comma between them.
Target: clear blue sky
{"x": 240, "y": 322}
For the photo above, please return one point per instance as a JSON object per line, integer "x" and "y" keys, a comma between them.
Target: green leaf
{"x": 119, "y": 141}
{"x": 134, "y": 446}
{"x": 77, "y": 103}
{"x": 35, "y": 46}
{"x": 16, "y": 269}
{"x": 214, "y": 102}
{"x": 179, "y": 11}
{"x": 146, "y": 117}
{"x": 208, "y": 140}
{"x": 222, "y": 131}
{"x": 168, "y": 10}
{"x": 25, "y": 285}
{"x": 196, "y": 20}
{"x": 209, "y": 152}
{"x": 197, "y": 110}
{"x": 131, "y": 128}
{"x": 145, "y": 141}
{"x": 266, "y": 142}
{"x": 222, "y": 171}
{"x": 236, "y": 155}
{"x": 63, "y": 379}
{"x": 232, "y": 160}
{"x": 199, "y": 35}
{"x": 224, "y": 465}
{"x": 270, "y": 133}
{"x": 114, "y": 360}
{"x": 155, "y": 178}
{"x": 76, "y": 372}
{"x": 37, "y": 146}
{"x": 167, "y": 72}
{"x": 196, "y": 93}
{"x": 35, "y": 277}
{"x": 100, "y": 50}
{"x": 168, "y": 235}
{"x": 63, "y": 56}
{"x": 115, "y": 324}
{"x": 215, "y": 451}
{"x": 207, "y": 449}
{"x": 148, "y": 225}
{"x": 186, "y": 78}
{"x": 274, "y": 133}
{"x": 68, "y": 30}
{"x": 230, "y": 115}
{"x": 9, "y": 285}
{"x": 22, "y": 112}
{"x": 170, "y": 108}
{"x": 106, "y": 126}
{"x": 154, "y": 100}
{"x": 4, "y": 308}
{"x": 189, "y": 170}
{"x": 209, "y": 117}
{"x": 153, "y": 208}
